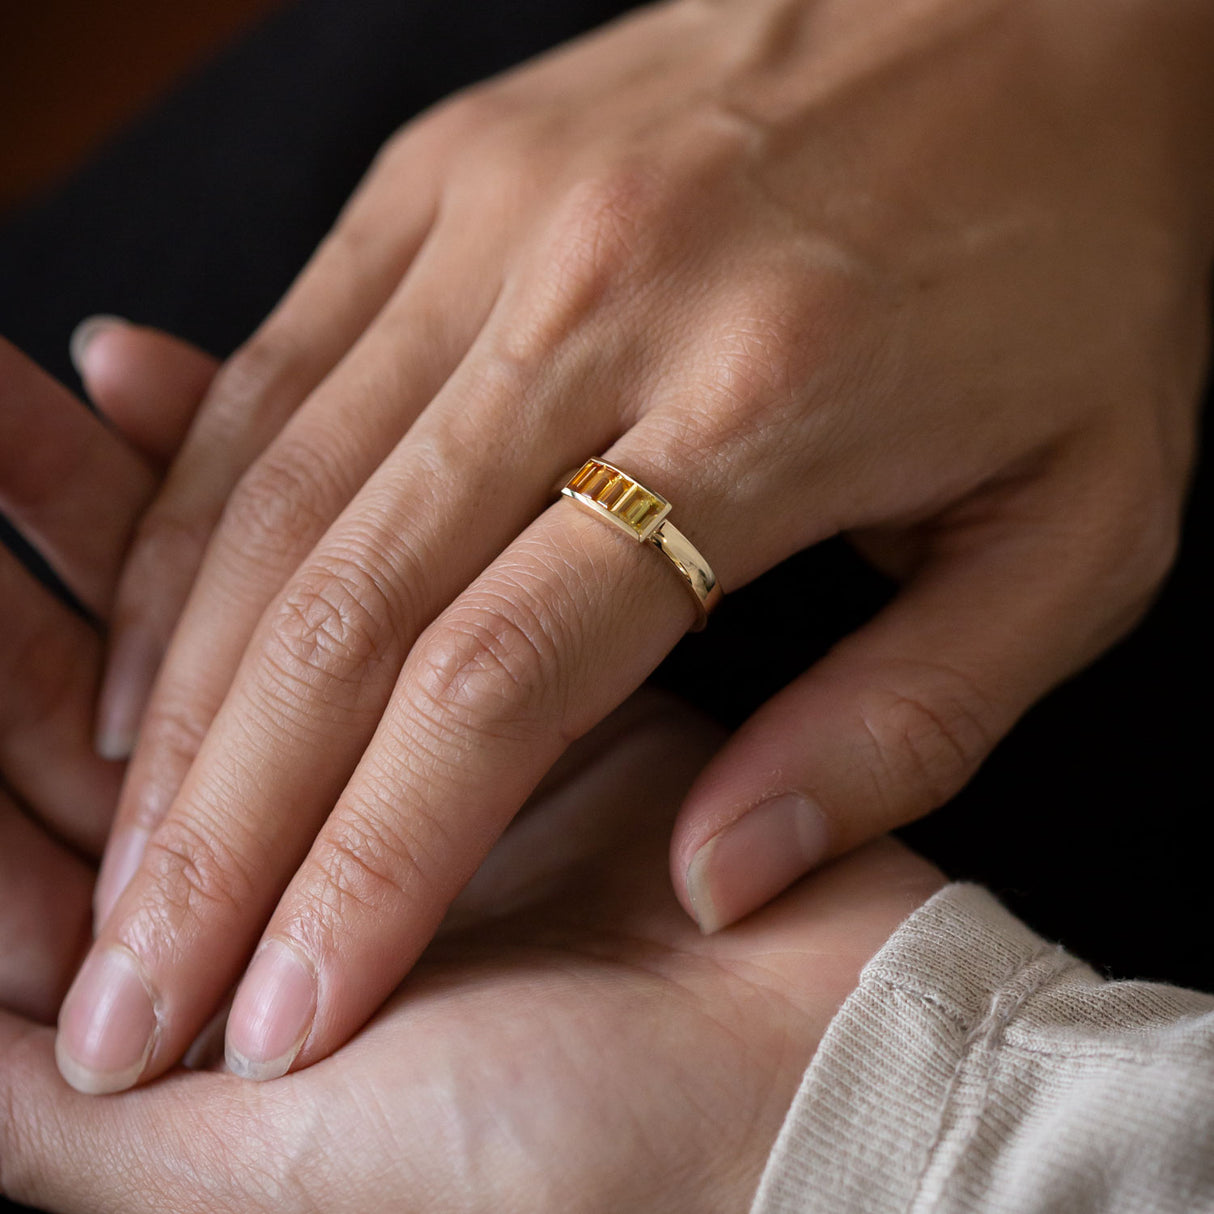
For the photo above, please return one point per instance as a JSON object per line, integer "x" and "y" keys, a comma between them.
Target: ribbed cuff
{"x": 869, "y": 1131}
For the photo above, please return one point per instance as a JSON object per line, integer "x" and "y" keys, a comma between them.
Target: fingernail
{"x": 272, "y": 1013}
{"x": 129, "y": 675}
{"x": 121, "y": 862}
{"x": 83, "y": 334}
{"x": 753, "y": 860}
{"x": 107, "y": 1025}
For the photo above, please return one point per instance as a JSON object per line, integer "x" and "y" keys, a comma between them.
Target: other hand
{"x": 75, "y": 488}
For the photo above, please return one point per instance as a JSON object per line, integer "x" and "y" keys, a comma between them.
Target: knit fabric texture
{"x": 979, "y": 1068}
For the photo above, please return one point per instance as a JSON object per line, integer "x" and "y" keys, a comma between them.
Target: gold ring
{"x": 613, "y": 495}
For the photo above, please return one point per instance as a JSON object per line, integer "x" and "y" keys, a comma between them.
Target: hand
{"x": 576, "y": 1046}
{"x": 75, "y": 489}
{"x": 931, "y": 275}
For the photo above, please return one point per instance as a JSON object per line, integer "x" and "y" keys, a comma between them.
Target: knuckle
{"x": 468, "y": 120}
{"x": 601, "y": 244}
{"x": 680, "y": 439}
{"x": 376, "y": 860}
{"x": 417, "y": 147}
{"x": 336, "y": 621}
{"x": 600, "y": 227}
{"x": 765, "y": 349}
{"x": 1130, "y": 523}
{"x": 252, "y": 375}
{"x": 280, "y": 503}
{"x": 475, "y": 112}
{"x": 1151, "y": 531}
{"x": 926, "y": 742}
{"x": 608, "y": 228}
{"x": 762, "y": 358}
{"x": 463, "y": 114}
{"x": 199, "y": 870}
{"x": 487, "y": 666}
{"x": 755, "y": 369}
{"x": 1150, "y": 552}
{"x": 396, "y": 154}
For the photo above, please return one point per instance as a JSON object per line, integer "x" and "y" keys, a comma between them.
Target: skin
{"x": 75, "y": 490}
{"x": 931, "y": 274}
{"x": 569, "y": 1043}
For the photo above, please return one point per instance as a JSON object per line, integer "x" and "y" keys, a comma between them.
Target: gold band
{"x": 613, "y": 495}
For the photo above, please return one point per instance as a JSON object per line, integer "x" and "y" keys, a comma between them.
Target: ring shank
{"x": 685, "y": 557}
{"x": 625, "y": 503}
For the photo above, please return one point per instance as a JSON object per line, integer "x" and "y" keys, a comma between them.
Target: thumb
{"x": 148, "y": 384}
{"x": 898, "y": 716}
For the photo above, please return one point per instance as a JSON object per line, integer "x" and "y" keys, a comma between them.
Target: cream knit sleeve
{"x": 977, "y": 1068}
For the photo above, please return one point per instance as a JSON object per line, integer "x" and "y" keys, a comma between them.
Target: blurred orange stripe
{"x": 72, "y": 71}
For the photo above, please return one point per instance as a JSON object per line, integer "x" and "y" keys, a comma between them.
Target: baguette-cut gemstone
{"x": 597, "y": 481}
{"x": 638, "y": 508}
{"x": 614, "y": 492}
{"x": 619, "y": 497}
{"x": 625, "y": 500}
